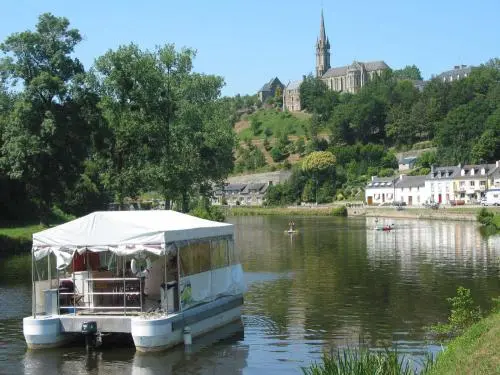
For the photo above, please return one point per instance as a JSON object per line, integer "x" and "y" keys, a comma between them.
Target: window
{"x": 472, "y": 183}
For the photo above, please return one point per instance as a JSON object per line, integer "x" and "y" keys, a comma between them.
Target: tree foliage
{"x": 47, "y": 134}
{"x": 411, "y": 72}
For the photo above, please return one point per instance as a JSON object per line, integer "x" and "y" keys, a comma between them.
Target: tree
{"x": 255, "y": 125}
{"x": 320, "y": 165}
{"x": 411, "y": 72}
{"x": 47, "y": 135}
{"x": 170, "y": 131}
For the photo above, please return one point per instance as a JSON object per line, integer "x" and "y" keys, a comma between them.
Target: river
{"x": 336, "y": 283}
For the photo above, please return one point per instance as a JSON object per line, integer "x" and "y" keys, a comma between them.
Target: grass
{"x": 306, "y": 211}
{"x": 21, "y": 233}
{"x": 362, "y": 362}
{"x": 277, "y": 122}
{"x": 475, "y": 352}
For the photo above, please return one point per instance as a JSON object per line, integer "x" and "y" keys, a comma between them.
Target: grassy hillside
{"x": 275, "y": 122}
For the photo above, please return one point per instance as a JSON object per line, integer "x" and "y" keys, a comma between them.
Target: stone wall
{"x": 276, "y": 177}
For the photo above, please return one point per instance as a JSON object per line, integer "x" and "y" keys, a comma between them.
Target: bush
{"x": 277, "y": 154}
{"x": 339, "y": 211}
{"x": 463, "y": 314}
{"x": 485, "y": 217}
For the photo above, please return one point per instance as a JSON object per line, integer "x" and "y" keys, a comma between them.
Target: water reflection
{"x": 220, "y": 352}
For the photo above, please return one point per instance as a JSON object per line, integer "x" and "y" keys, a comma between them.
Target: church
{"x": 349, "y": 78}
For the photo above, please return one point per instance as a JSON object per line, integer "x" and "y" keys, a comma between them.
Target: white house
{"x": 494, "y": 177}
{"x": 411, "y": 190}
{"x": 472, "y": 182}
{"x": 380, "y": 190}
{"x": 439, "y": 184}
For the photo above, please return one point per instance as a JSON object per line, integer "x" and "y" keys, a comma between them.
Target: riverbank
{"x": 17, "y": 240}
{"x": 443, "y": 213}
{"x": 288, "y": 211}
{"x": 476, "y": 351}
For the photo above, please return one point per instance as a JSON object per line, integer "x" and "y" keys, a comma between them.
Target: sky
{"x": 250, "y": 42}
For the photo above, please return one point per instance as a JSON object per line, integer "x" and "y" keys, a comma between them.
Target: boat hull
{"x": 150, "y": 332}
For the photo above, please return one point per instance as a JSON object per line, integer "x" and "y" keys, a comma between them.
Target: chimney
{"x": 460, "y": 165}
{"x": 401, "y": 176}
{"x": 497, "y": 164}
{"x": 432, "y": 168}
{"x": 373, "y": 178}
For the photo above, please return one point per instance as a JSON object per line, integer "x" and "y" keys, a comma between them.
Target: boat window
{"x": 219, "y": 254}
{"x": 195, "y": 258}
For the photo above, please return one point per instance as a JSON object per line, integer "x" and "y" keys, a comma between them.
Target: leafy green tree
{"x": 169, "y": 130}
{"x": 320, "y": 166}
{"x": 255, "y": 125}
{"x": 48, "y": 133}
{"x": 410, "y": 72}
{"x": 426, "y": 159}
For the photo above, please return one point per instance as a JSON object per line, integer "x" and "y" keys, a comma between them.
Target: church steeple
{"x": 322, "y": 50}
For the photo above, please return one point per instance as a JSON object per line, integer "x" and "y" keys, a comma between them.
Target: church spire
{"x": 322, "y": 33}
{"x": 322, "y": 50}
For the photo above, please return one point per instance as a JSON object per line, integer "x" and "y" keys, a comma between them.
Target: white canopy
{"x": 124, "y": 232}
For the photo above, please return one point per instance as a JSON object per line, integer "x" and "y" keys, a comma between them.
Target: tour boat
{"x": 159, "y": 277}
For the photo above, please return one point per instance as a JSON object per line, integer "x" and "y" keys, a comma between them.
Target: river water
{"x": 335, "y": 283}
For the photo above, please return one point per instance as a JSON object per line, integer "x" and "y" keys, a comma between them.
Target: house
{"x": 407, "y": 163}
{"x": 439, "y": 184}
{"x": 494, "y": 177}
{"x": 253, "y": 194}
{"x": 380, "y": 190}
{"x": 411, "y": 190}
{"x": 269, "y": 89}
{"x": 228, "y": 194}
{"x": 458, "y": 72}
{"x": 472, "y": 182}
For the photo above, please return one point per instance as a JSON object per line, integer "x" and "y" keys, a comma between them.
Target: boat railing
{"x": 117, "y": 294}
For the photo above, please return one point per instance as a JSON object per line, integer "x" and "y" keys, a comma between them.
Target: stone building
{"x": 269, "y": 89}
{"x": 458, "y": 72}
{"x": 349, "y": 78}
{"x": 291, "y": 96}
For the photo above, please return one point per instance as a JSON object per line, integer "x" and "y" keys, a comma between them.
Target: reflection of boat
{"x": 385, "y": 228}
{"x": 292, "y": 231}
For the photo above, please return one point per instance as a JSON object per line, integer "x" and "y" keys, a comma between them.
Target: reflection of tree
{"x": 348, "y": 281}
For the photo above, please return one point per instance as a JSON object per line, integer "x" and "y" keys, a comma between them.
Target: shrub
{"x": 485, "y": 217}
{"x": 463, "y": 314}
{"x": 339, "y": 211}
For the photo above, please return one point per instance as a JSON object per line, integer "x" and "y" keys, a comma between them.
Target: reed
{"x": 365, "y": 362}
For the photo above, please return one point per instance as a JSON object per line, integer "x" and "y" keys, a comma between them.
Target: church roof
{"x": 342, "y": 70}
{"x": 294, "y": 85}
{"x": 268, "y": 86}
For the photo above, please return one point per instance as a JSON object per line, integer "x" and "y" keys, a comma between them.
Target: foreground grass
{"x": 363, "y": 362}
{"x": 475, "y": 352}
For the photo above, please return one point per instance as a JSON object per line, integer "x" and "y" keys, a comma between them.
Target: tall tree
{"x": 411, "y": 72}
{"x": 46, "y": 136}
{"x": 170, "y": 132}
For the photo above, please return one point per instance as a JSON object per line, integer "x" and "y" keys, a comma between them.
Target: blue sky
{"x": 249, "y": 42}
